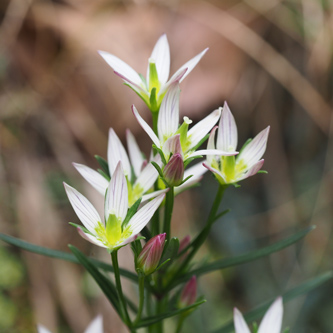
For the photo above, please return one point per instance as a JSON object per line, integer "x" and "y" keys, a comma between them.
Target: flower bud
{"x": 150, "y": 255}
{"x": 174, "y": 170}
{"x": 184, "y": 243}
{"x": 189, "y": 293}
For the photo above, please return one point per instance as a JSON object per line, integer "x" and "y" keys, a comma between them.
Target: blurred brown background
{"x": 270, "y": 59}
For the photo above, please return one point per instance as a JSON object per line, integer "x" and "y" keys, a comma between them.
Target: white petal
{"x": 141, "y": 90}
{"x": 198, "y": 131}
{"x": 42, "y": 329}
{"x": 117, "y": 195}
{"x": 135, "y": 153}
{"x": 116, "y": 153}
{"x": 96, "y": 326}
{"x": 272, "y": 320}
{"x": 252, "y": 171}
{"x": 213, "y": 170}
{"x": 161, "y": 56}
{"x": 211, "y": 144}
{"x": 90, "y": 238}
{"x": 227, "y": 134}
{"x": 93, "y": 177}
{"x": 147, "y": 177}
{"x": 191, "y": 64}
{"x": 143, "y": 216}
{"x": 212, "y": 152}
{"x": 128, "y": 240}
{"x": 146, "y": 127}
{"x": 151, "y": 195}
{"x": 84, "y": 210}
{"x": 240, "y": 324}
{"x": 175, "y": 78}
{"x": 255, "y": 149}
{"x": 168, "y": 117}
{"x": 121, "y": 67}
{"x": 172, "y": 146}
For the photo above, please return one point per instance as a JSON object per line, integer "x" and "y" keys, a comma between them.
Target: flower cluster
{"x": 136, "y": 190}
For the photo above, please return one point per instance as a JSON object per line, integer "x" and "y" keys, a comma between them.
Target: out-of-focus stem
{"x": 169, "y": 199}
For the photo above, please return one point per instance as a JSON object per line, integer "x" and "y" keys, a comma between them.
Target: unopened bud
{"x": 150, "y": 255}
{"x": 174, "y": 170}
{"x": 189, "y": 293}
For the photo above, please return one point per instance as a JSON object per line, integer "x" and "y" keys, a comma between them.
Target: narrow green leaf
{"x": 221, "y": 214}
{"x": 63, "y": 255}
{"x": 158, "y": 169}
{"x": 104, "y": 165}
{"x": 244, "y": 258}
{"x": 133, "y": 209}
{"x": 160, "y": 151}
{"x": 185, "y": 180}
{"x": 154, "y": 319}
{"x": 101, "y": 172}
{"x": 105, "y": 284}
{"x": 287, "y": 296}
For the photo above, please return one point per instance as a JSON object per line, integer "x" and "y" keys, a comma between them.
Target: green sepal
{"x": 186, "y": 179}
{"x": 101, "y": 172}
{"x": 162, "y": 264}
{"x": 144, "y": 98}
{"x": 245, "y": 144}
{"x": 262, "y": 171}
{"x": 170, "y": 249}
{"x": 255, "y": 327}
{"x": 286, "y": 330}
{"x": 144, "y": 322}
{"x": 200, "y": 142}
{"x": 153, "y": 101}
{"x": 143, "y": 79}
{"x": 160, "y": 151}
{"x": 81, "y": 227}
{"x": 104, "y": 165}
{"x": 132, "y": 210}
{"x": 189, "y": 160}
{"x": 158, "y": 169}
{"x": 105, "y": 284}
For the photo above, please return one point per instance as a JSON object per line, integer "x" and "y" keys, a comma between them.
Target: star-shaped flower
{"x": 152, "y": 88}
{"x": 119, "y": 226}
{"x": 139, "y": 182}
{"x": 231, "y": 169}
{"x": 271, "y": 322}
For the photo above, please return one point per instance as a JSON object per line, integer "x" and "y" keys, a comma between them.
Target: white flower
{"x": 144, "y": 174}
{"x": 153, "y": 88}
{"x": 231, "y": 169}
{"x": 271, "y": 322}
{"x": 111, "y": 233}
{"x": 96, "y": 326}
{"x": 171, "y": 135}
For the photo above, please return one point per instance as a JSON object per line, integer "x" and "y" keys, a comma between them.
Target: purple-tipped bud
{"x": 150, "y": 255}
{"x": 189, "y": 293}
{"x": 183, "y": 245}
{"x": 174, "y": 170}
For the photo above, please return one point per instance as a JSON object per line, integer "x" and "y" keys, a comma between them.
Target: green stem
{"x": 155, "y": 119}
{"x": 169, "y": 199}
{"x": 180, "y": 324}
{"x": 141, "y": 298}
{"x": 123, "y": 307}
{"x": 200, "y": 239}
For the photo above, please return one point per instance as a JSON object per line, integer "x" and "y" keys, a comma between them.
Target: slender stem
{"x": 180, "y": 323}
{"x": 200, "y": 239}
{"x": 155, "y": 118}
{"x": 141, "y": 297}
{"x": 159, "y": 310}
{"x": 168, "y": 212}
{"x": 125, "y": 316}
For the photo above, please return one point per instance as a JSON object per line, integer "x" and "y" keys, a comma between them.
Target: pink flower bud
{"x": 183, "y": 244}
{"x": 189, "y": 293}
{"x": 150, "y": 255}
{"x": 174, "y": 170}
